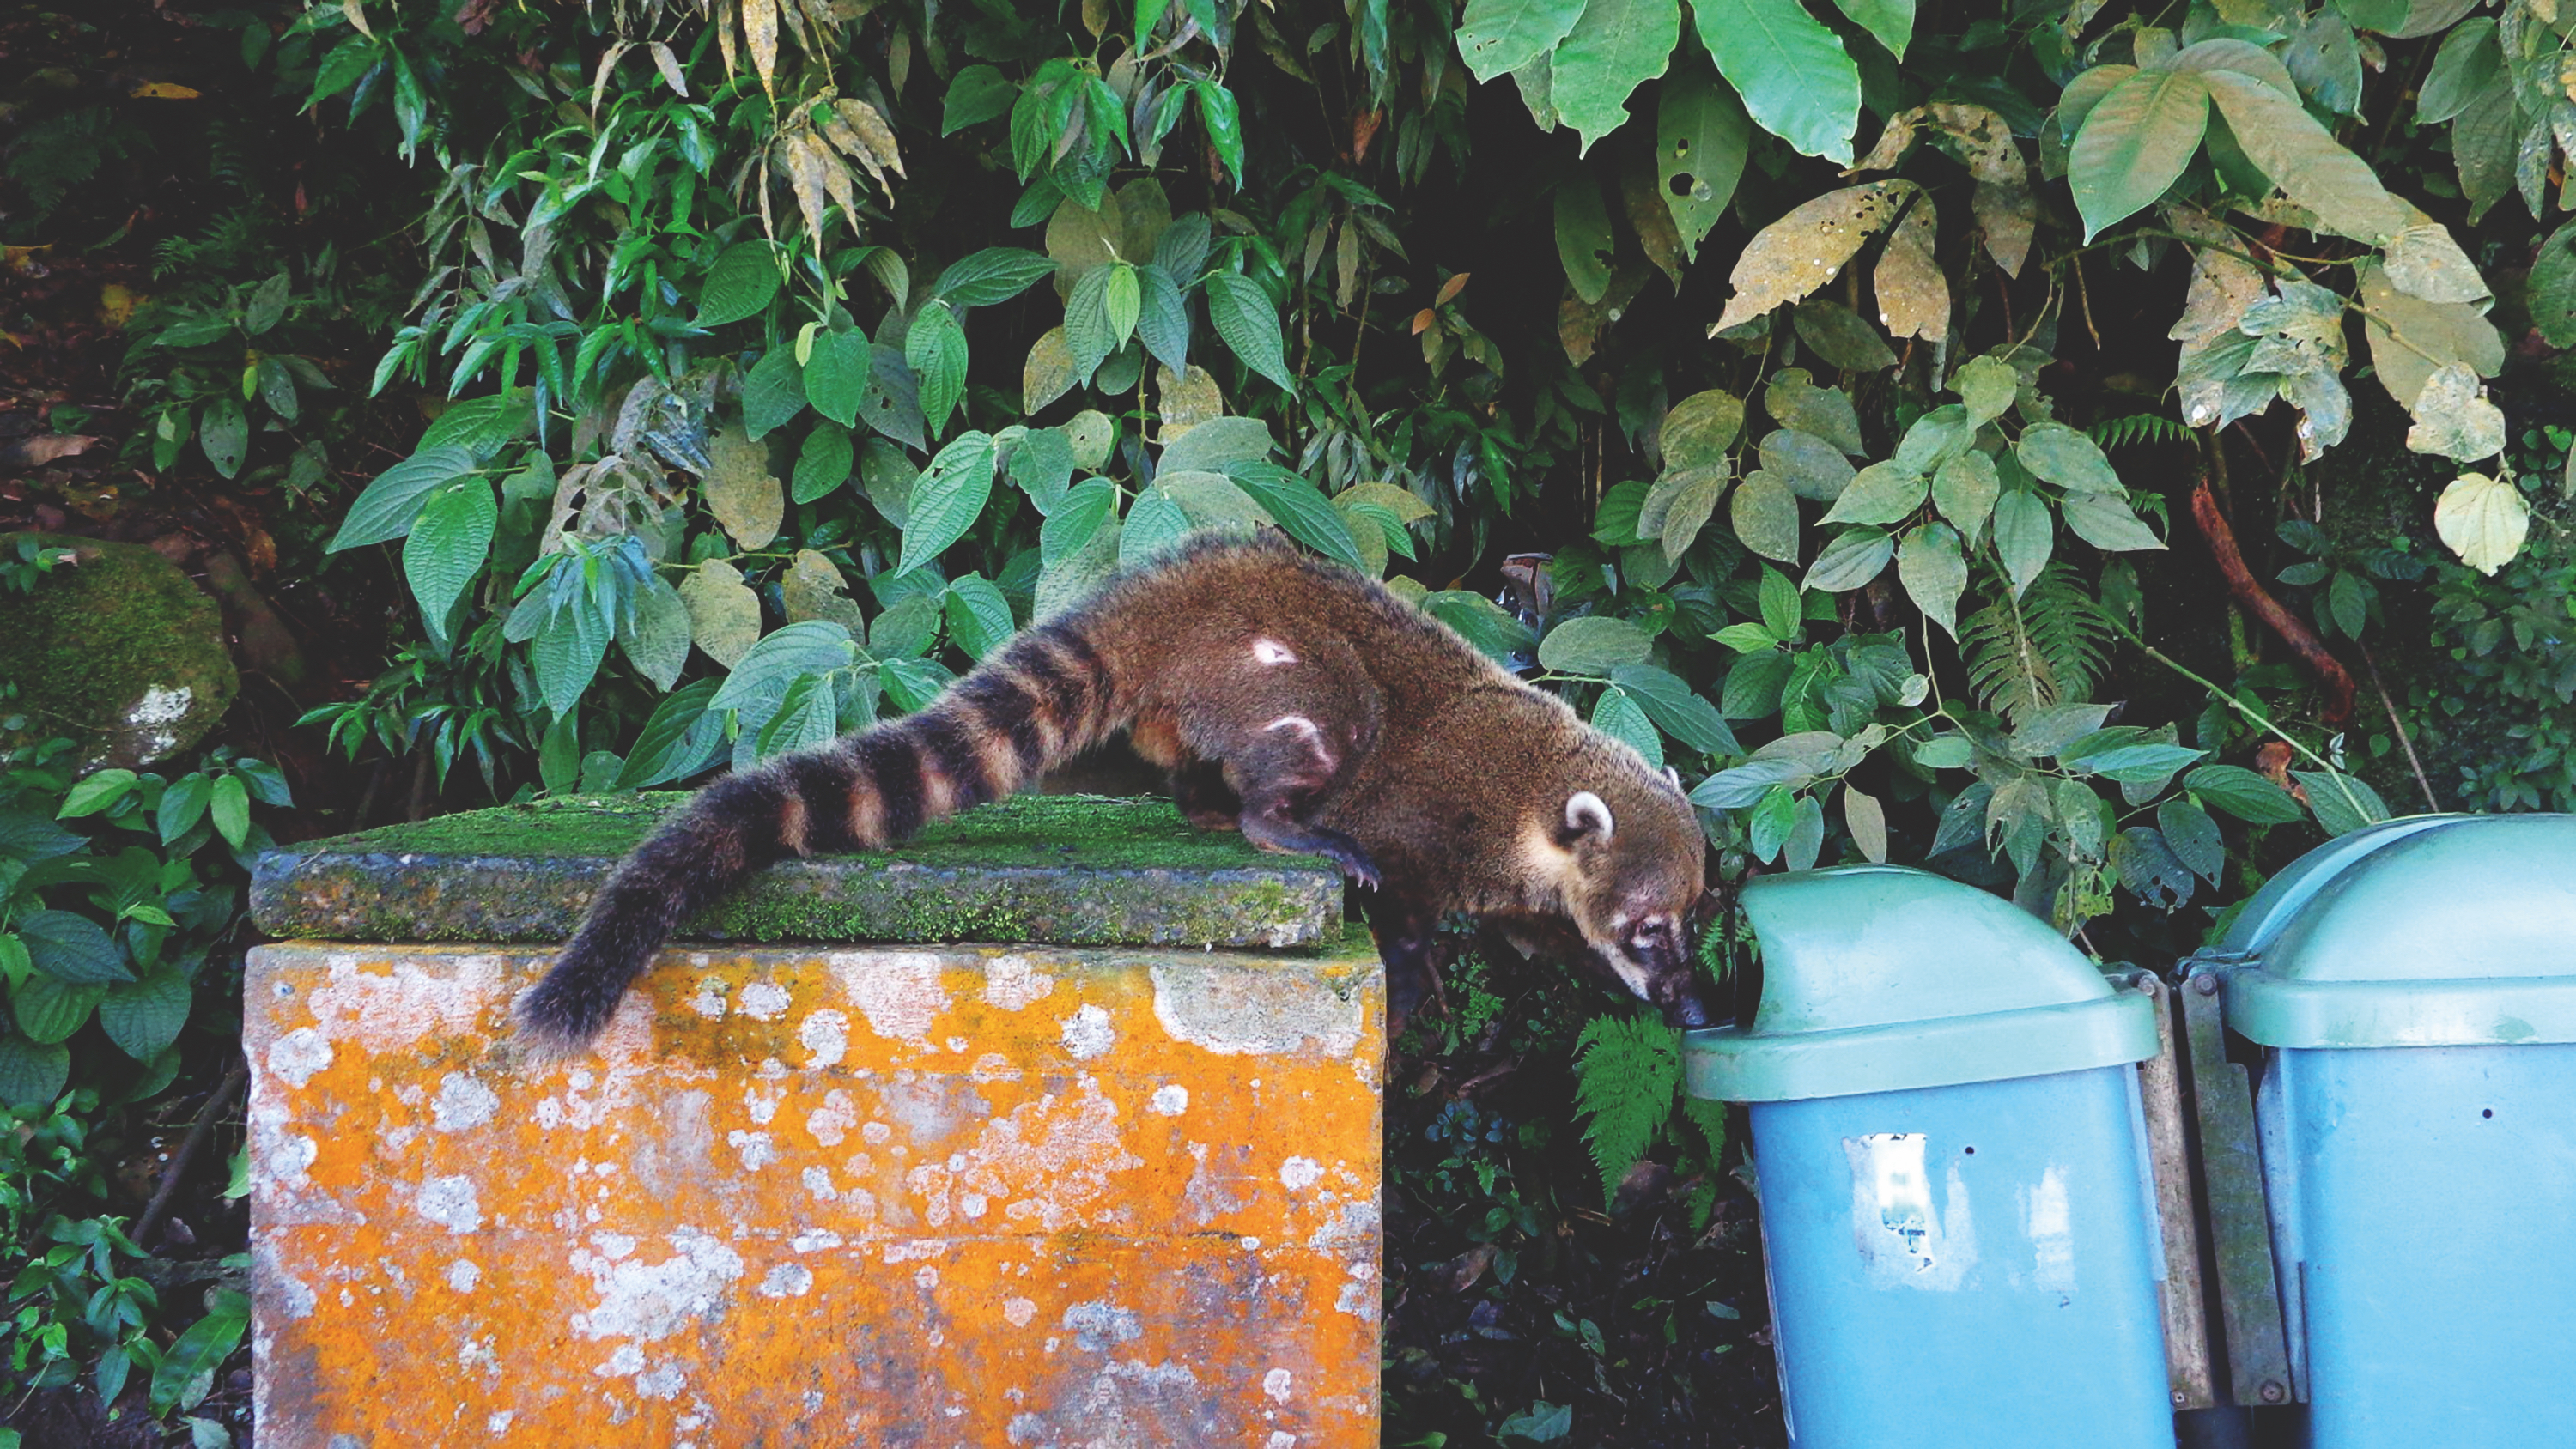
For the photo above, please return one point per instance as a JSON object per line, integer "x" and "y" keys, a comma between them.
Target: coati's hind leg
{"x": 1277, "y": 776}
{"x": 1410, "y": 943}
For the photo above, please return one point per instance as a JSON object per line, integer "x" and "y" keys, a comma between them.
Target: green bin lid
{"x": 1880, "y": 979}
{"x": 2436, "y": 931}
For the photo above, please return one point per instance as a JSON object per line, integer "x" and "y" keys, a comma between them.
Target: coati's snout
{"x": 1640, "y": 877}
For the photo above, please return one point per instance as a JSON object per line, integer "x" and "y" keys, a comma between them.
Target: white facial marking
{"x": 1298, "y": 722}
{"x": 1630, "y": 972}
{"x": 1585, "y": 812}
{"x": 1271, "y": 651}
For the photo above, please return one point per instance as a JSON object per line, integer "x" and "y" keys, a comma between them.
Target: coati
{"x": 1287, "y": 697}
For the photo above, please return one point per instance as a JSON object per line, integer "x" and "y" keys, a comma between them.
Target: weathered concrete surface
{"x": 953, "y": 1196}
{"x": 1068, "y": 869}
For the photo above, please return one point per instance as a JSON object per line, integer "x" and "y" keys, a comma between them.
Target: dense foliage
{"x": 1926, "y": 502}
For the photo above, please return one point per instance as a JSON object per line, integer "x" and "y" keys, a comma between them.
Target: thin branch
{"x": 2423, "y": 781}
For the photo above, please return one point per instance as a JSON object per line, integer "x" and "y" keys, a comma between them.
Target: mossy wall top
{"x": 1071, "y": 870}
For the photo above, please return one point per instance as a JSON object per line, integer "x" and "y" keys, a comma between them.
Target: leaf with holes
{"x": 949, "y": 496}
{"x": 1802, "y": 251}
{"x": 1701, "y": 138}
{"x": 1496, "y": 37}
{"x": 1616, "y": 46}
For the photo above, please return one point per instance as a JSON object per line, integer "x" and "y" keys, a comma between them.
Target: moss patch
{"x": 117, "y": 651}
{"x": 1064, "y": 870}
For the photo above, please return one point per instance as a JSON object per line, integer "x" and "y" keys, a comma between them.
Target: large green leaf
{"x": 1499, "y": 36}
{"x": 1851, "y": 560}
{"x": 2136, "y": 141}
{"x": 145, "y": 1016}
{"x": 836, "y": 375}
{"x": 2024, "y": 537}
{"x": 390, "y": 504}
{"x": 1890, "y": 22}
{"x": 30, "y": 1074}
{"x": 2307, "y": 163}
{"x": 1934, "y": 573}
{"x": 1307, "y": 516}
{"x": 658, "y": 641}
{"x": 823, "y": 462}
{"x": 1792, "y": 72}
{"x": 72, "y": 948}
{"x": 1675, "y": 709}
{"x": 778, "y": 660}
{"x": 1615, "y": 47}
{"x": 995, "y": 274}
{"x": 773, "y": 392}
{"x": 448, "y": 545}
{"x": 947, "y": 499}
{"x": 1245, "y": 318}
{"x": 50, "y": 1010}
{"x": 1701, "y": 135}
{"x": 1584, "y": 245}
{"x": 1593, "y": 645}
{"x": 741, "y": 283}
{"x": 935, "y": 349}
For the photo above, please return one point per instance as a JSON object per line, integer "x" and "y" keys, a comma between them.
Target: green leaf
{"x": 1592, "y": 646}
{"x": 1879, "y": 493}
{"x": 2024, "y": 536}
{"x": 2242, "y": 793}
{"x": 836, "y": 375}
{"x": 2059, "y": 454}
{"x": 1965, "y": 491}
{"x": 935, "y": 348}
{"x": 49, "y": 1011}
{"x": 1838, "y": 334}
{"x": 1891, "y": 22}
{"x": 2470, "y": 59}
{"x": 1934, "y": 573}
{"x": 95, "y": 793}
{"x": 1616, "y": 46}
{"x": 1764, "y": 515}
{"x": 806, "y": 716}
{"x": 2193, "y": 837}
{"x": 773, "y": 392}
{"x": 1069, "y": 529}
{"x": 658, "y": 640}
{"x": 1624, "y": 720}
{"x": 740, "y": 284}
{"x": 823, "y": 464}
{"x": 2105, "y": 522}
{"x": 182, "y": 806}
{"x": 1626, "y": 1071}
{"x": 1215, "y": 443}
{"x": 200, "y": 1351}
{"x": 1087, "y": 332}
{"x": 1701, "y": 138}
{"x": 1675, "y": 709}
{"x": 1584, "y": 245}
{"x": 566, "y": 655}
{"x": 1307, "y": 516}
{"x": 1119, "y": 302}
{"x": 224, "y": 434}
{"x": 31, "y": 1074}
{"x": 1792, "y": 72}
{"x": 482, "y": 425}
{"x": 2342, "y": 804}
{"x": 1223, "y": 119}
{"x": 977, "y": 94}
{"x": 390, "y": 504}
{"x": 1161, "y": 320}
{"x": 1481, "y": 622}
{"x": 1249, "y": 325}
{"x": 1813, "y": 468}
{"x": 979, "y": 618}
{"x": 72, "y": 948}
{"x": 1154, "y": 525}
{"x": 815, "y": 646}
{"x": 2306, "y": 162}
{"x": 2134, "y": 145}
{"x": 1851, "y": 560}
{"x": 993, "y": 275}
{"x": 1496, "y": 37}
{"x": 448, "y": 545}
{"x": 1782, "y": 609}
{"x": 145, "y": 1017}
{"x": 949, "y": 496}
{"x": 681, "y": 738}
{"x": 230, "y": 807}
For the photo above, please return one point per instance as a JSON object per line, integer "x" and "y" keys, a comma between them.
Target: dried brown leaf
{"x": 1805, "y": 249}
{"x": 1913, "y": 297}
{"x": 724, "y": 614}
{"x": 740, "y": 490}
{"x": 760, "y": 32}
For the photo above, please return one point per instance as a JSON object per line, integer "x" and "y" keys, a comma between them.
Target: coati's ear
{"x": 1585, "y": 815}
{"x": 1674, "y": 776}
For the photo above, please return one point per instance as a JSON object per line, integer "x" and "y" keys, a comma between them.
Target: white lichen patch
{"x": 1050, "y": 1162}
{"x": 815, "y": 1240}
{"x": 710, "y": 1000}
{"x": 463, "y": 1102}
{"x": 825, "y": 1035}
{"x": 1015, "y": 983}
{"x": 450, "y": 1203}
{"x": 1276, "y": 1384}
{"x": 154, "y": 716}
{"x": 410, "y": 997}
{"x": 787, "y": 1280}
{"x": 1300, "y": 1173}
{"x": 765, "y": 1001}
{"x": 1017, "y": 1312}
{"x": 818, "y": 1183}
{"x": 1087, "y": 1033}
{"x": 1235, "y": 1011}
{"x": 899, "y": 992}
{"x": 295, "y": 1057}
{"x": 1101, "y": 1326}
{"x": 753, "y": 1148}
{"x": 463, "y": 1276}
{"x": 648, "y": 1302}
{"x": 832, "y": 1121}
{"x": 1171, "y": 1100}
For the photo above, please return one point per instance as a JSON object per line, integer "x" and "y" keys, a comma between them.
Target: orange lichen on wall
{"x": 954, "y": 1195}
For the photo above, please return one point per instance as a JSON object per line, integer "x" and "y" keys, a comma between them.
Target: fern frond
{"x": 2138, "y": 428}
{"x": 1626, "y": 1070}
{"x": 2046, "y": 648}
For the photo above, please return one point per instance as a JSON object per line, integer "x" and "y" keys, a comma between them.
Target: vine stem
{"x": 2422, "y": 780}
{"x": 2250, "y": 712}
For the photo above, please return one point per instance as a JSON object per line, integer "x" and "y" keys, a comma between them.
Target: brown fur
{"x": 1292, "y": 698}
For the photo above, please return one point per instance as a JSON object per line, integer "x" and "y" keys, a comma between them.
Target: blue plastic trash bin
{"x": 2415, "y": 988}
{"x": 1956, "y": 1213}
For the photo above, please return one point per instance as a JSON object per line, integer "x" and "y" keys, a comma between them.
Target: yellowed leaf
{"x": 802, "y": 158}
{"x": 1186, "y": 401}
{"x": 1892, "y": 144}
{"x": 760, "y": 32}
{"x": 1079, "y": 238}
{"x": 2008, "y": 217}
{"x": 875, "y": 135}
{"x": 1398, "y": 501}
{"x": 2483, "y": 520}
{"x": 1144, "y": 211}
{"x": 1913, "y": 297}
{"x": 740, "y": 490}
{"x": 2223, "y": 285}
{"x": 1091, "y": 434}
{"x": 2453, "y": 417}
{"x": 2409, "y": 337}
{"x": 357, "y": 18}
{"x": 1805, "y": 249}
{"x": 724, "y": 614}
{"x": 1867, "y": 820}
{"x": 1048, "y": 374}
{"x": 2424, "y": 262}
{"x": 813, "y": 588}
